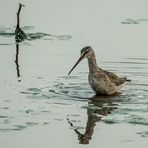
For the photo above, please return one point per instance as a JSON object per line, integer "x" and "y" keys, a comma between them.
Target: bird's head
{"x": 86, "y": 52}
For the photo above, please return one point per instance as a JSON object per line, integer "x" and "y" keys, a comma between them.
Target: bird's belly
{"x": 97, "y": 86}
{"x": 101, "y": 87}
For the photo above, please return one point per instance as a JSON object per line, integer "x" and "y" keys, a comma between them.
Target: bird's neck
{"x": 92, "y": 63}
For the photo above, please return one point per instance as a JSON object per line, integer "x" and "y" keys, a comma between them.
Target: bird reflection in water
{"x": 98, "y": 106}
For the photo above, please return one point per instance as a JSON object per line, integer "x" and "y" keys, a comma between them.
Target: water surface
{"x": 39, "y": 100}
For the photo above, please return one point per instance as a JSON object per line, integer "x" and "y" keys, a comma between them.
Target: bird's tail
{"x": 127, "y": 80}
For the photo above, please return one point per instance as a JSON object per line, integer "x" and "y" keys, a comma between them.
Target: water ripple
{"x": 9, "y": 32}
{"x": 143, "y": 133}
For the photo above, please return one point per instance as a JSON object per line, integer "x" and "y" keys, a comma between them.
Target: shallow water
{"x": 40, "y": 106}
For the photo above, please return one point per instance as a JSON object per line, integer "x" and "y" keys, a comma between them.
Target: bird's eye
{"x": 86, "y": 51}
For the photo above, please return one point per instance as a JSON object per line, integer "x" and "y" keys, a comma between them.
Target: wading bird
{"x": 101, "y": 81}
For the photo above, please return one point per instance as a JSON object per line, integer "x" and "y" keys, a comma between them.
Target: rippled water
{"x": 9, "y": 32}
{"x": 41, "y": 106}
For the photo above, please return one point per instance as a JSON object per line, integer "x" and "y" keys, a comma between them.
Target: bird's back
{"x": 114, "y": 78}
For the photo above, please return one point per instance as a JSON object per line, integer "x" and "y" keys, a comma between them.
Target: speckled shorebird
{"x": 101, "y": 81}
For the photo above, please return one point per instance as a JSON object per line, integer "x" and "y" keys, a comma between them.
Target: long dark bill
{"x": 79, "y": 60}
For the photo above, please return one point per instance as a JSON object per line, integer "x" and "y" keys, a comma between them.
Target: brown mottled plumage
{"x": 101, "y": 81}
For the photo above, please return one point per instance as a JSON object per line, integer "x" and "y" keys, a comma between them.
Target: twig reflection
{"x": 17, "y": 61}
